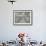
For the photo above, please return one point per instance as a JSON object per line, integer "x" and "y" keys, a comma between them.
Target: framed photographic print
{"x": 22, "y": 17}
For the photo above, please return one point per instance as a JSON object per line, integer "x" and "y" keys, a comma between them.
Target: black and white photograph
{"x": 22, "y": 17}
{"x": 22, "y": 22}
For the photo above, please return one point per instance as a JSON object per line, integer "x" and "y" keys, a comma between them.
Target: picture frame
{"x": 22, "y": 17}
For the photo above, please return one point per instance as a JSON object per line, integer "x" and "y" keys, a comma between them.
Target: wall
{"x": 37, "y": 31}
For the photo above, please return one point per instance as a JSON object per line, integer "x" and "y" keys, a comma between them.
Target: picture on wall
{"x": 22, "y": 17}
